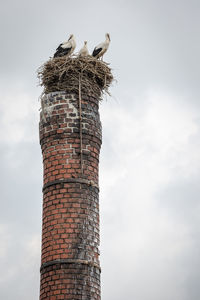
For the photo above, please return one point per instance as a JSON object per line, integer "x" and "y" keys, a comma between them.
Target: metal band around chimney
{"x": 70, "y": 180}
{"x": 69, "y": 261}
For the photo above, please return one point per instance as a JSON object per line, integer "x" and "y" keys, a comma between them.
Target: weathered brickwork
{"x": 70, "y": 230}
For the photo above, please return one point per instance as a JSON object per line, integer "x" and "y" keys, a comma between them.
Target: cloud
{"x": 20, "y": 266}
{"x": 141, "y": 237}
{"x": 21, "y": 195}
{"x": 17, "y": 111}
{"x": 149, "y": 165}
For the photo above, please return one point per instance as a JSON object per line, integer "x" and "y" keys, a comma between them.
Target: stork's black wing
{"x": 59, "y": 47}
{"x": 62, "y": 51}
{"x": 96, "y": 51}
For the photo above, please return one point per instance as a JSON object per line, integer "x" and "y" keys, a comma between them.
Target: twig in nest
{"x": 62, "y": 74}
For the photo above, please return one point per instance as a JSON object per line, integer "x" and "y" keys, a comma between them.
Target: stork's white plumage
{"x": 66, "y": 48}
{"x": 100, "y": 49}
{"x": 84, "y": 51}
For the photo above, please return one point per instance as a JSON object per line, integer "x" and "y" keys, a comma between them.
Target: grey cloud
{"x": 180, "y": 203}
{"x": 154, "y": 45}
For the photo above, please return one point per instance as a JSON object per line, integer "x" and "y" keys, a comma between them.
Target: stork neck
{"x": 107, "y": 39}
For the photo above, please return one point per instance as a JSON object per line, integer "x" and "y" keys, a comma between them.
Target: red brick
{"x": 66, "y": 206}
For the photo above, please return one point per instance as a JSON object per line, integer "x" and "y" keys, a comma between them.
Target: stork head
{"x": 108, "y": 36}
{"x": 85, "y": 43}
{"x": 71, "y": 36}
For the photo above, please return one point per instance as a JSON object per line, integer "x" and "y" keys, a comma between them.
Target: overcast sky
{"x": 150, "y": 157}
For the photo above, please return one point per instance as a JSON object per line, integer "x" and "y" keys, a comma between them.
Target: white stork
{"x": 100, "y": 49}
{"x": 66, "y": 48}
{"x": 84, "y": 50}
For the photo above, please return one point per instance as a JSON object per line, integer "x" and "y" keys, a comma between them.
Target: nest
{"x": 70, "y": 74}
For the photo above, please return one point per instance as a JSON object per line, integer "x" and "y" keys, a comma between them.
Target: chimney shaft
{"x": 70, "y": 145}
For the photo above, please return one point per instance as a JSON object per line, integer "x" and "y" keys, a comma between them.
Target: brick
{"x": 70, "y": 228}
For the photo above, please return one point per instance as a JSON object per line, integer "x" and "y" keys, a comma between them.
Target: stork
{"x": 84, "y": 50}
{"x": 66, "y": 48}
{"x": 100, "y": 49}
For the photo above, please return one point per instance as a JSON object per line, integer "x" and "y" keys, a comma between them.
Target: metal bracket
{"x": 71, "y": 180}
{"x": 69, "y": 261}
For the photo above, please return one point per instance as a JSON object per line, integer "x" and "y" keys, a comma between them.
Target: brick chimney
{"x": 70, "y": 138}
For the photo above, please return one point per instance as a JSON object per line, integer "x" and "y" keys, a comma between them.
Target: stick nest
{"x": 69, "y": 73}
